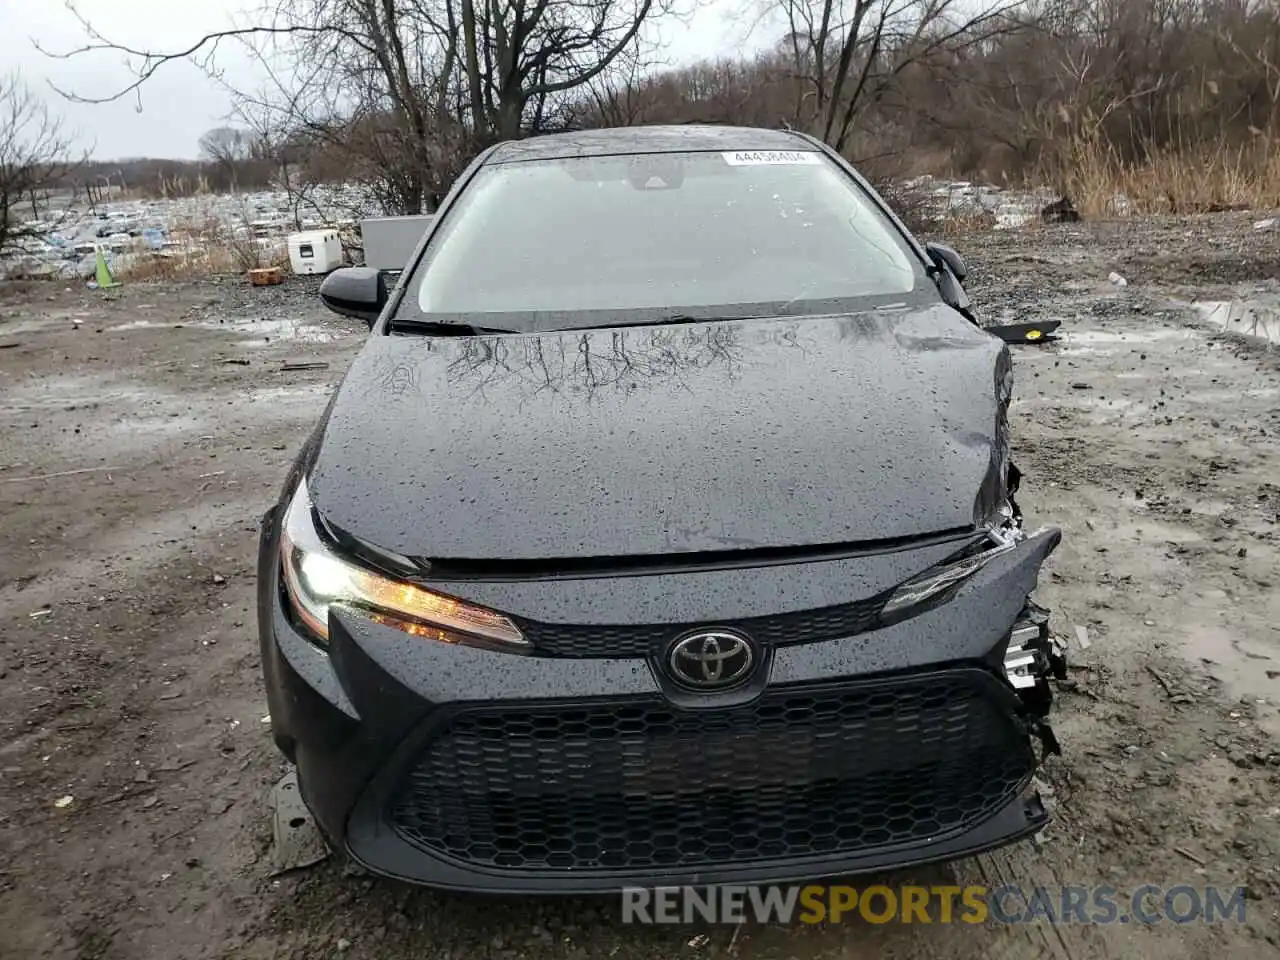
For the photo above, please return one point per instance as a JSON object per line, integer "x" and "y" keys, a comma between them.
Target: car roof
{"x": 614, "y": 141}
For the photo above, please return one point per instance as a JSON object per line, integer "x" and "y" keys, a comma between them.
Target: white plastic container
{"x": 316, "y": 251}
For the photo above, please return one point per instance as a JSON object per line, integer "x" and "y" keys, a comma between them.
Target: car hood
{"x": 660, "y": 440}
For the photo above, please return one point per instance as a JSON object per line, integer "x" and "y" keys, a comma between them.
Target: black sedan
{"x": 662, "y": 532}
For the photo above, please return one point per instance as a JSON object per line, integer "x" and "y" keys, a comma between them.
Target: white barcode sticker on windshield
{"x": 755, "y": 158}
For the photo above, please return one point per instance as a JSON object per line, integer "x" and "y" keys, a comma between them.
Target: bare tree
{"x": 850, "y": 53}
{"x": 408, "y": 89}
{"x": 226, "y": 148}
{"x": 368, "y": 99}
{"x": 610, "y": 100}
{"x": 35, "y": 159}
{"x": 280, "y": 144}
{"x": 520, "y": 56}
{"x": 226, "y": 145}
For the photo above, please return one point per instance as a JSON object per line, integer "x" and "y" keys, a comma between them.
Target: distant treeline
{"x": 148, "y": 177}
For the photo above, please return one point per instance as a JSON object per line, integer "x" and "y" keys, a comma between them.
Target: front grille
{"x": 798, "y": 773}
{"x": 641, "y": 640}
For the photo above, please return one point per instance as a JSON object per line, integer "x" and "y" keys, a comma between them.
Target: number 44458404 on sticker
{"x": 755, "y": 158}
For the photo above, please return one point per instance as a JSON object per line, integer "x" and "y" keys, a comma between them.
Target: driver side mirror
{"x": 942, "y": 255}
{"x": 359, "y": 292}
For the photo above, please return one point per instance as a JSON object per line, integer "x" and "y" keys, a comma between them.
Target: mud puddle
{"x": 1249, "y": 668}
{"x": 301, "y": 392}
{"x": 76, "y": 393}
{"x": 265, "y": 331}
{"x": 293, "y": 401}
{"x": 254, "y": 332}
{"x": 1108, "y": 342}
{"x": 1259, "y": 318}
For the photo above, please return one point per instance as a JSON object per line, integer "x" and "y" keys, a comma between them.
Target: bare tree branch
{"x": 149, "y": 61}
{"x": 35, "y": 159}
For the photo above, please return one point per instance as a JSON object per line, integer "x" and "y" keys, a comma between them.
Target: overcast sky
{"x": 180, "y": 102}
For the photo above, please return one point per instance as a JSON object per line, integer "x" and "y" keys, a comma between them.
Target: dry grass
{"x": 1171, "y": 179}
{"x": 915, "y": 207}
{"x": 178, "y": 266}
{"x": 202, "y": 248}
{"x": 965, "y": 223}
{"x": 919, "y": 209}
{"x": 197, "y": 263}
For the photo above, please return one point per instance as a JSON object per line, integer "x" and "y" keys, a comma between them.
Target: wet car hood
{"x": 670, "y": 439}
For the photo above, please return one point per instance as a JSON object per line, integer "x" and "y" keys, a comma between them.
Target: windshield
{"x": 555, "y": 244}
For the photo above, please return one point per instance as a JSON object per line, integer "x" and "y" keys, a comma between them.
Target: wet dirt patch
{"x": 1153, "y": 531}
{"x": 89, "y": 418}
{"x": 79, "y": 392}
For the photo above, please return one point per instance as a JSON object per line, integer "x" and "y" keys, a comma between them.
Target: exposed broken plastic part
{"x": 1048, "y": 739}
{"x": 1031, "y": 657}
{"x": 1013, "y": 481}
{"x": 1026, "y": 659}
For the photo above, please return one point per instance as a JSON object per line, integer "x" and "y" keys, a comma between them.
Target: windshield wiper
{"x": 440, "y": 328}
{"x": 674, "y": 318}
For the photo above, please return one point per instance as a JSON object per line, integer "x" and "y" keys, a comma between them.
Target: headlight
{"x": 316, "y": 578}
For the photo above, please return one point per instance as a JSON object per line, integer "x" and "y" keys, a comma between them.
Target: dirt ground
{"x": 144, "y": 431}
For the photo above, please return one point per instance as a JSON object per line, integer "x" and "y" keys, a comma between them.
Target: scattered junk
{"x": 266, "y": 276}
{"x": 984, "y": 204}
{"x": 104, "y": 279}
{"x": 1044, "y": 331}
{"x": 1116, "y": 280}
{"x": 63, "y": 242}
{"x": 315, "y": 252}
{"x": 1061, "y": 210}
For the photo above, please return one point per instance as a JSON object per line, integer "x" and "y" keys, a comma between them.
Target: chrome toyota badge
{"x": 711, "y": 660}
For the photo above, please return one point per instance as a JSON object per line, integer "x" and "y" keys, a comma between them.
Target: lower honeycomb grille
{"x": 798, "y": 773}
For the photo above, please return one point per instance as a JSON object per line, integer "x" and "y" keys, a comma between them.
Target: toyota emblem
{"x": 711, "y": 660}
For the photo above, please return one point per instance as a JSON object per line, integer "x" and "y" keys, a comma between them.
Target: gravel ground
{"x": 143, "y": 432}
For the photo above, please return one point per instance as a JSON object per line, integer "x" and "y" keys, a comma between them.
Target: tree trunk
{"x": 478, "y": 119}
{"x": 510, "y": 111}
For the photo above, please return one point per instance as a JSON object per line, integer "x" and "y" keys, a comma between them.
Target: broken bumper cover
{"x": 478, "y": 770}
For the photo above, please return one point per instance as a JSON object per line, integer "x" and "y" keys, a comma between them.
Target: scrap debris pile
{"x": 64, "y": 242}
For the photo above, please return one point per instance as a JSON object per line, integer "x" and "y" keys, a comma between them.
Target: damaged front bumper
{"x": 910, "y": 742}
